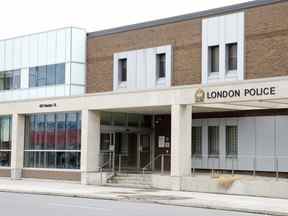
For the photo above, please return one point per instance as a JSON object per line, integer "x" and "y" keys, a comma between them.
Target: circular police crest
{"x": 199, "y": 96}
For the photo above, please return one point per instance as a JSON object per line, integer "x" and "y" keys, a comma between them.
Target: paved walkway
{"x": 258, "y": 205}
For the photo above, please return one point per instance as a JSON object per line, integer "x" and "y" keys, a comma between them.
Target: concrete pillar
{"x": 181, "y": 129}
{"x": 90, "y": 144}
{"x": 17, "y": 150}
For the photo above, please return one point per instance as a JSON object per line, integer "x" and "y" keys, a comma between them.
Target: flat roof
{"x": 185, "y": 17}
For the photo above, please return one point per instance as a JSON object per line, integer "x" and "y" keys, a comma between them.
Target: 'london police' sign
{"x": 234, "y": 93}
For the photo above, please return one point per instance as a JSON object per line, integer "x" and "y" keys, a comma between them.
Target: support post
{"x": 17, "y": 150}
{"x": 181, "y": 131}
{"x": 90, "y": 146}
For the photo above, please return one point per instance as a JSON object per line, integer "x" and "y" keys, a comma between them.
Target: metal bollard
{"x": 119, "y": 165}
{"x": 162, "y": 164}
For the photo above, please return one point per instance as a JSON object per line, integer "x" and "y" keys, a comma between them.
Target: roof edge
{"x": 185, "y": 17}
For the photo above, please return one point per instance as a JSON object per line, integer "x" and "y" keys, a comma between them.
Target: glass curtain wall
{"x": 5, "y": 141}
{"x": 53, "y": 140}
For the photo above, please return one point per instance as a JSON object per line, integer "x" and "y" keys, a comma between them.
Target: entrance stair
{"x": 130, "y": 180}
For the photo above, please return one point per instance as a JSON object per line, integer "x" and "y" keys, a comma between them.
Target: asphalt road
{"x": 34, "y": 205}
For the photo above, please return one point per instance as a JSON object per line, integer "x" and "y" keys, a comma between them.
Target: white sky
{"x": 19, "y": 17}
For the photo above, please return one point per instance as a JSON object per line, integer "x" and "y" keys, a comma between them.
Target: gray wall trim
{"x": 206, "y": 13}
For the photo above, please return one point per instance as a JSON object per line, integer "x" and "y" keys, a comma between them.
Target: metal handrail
{"x": 153, "y": 159}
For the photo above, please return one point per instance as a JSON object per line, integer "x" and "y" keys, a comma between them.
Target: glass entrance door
{"x": 144, "y": 149}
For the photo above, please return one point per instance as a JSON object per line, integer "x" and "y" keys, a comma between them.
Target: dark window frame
{"x": 161, "y": 65}
{"x": 232, "y": 56}
{"x": 122, "y": 69}
{"x": 214, "y": 59}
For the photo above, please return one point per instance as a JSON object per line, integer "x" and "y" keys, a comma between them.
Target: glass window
{"x": 16, "y": 79}
{"x": 51, "y": 74}
{"x": 5, "y": 141}
{"x": 2, "y": 80}
{"x": 231, "y": 55}
{"x": 196, "y": 141}
{"x": 8, "y": 83}
{"x": 231, "y": 140}
{"x": 122, "y": 70}
{"x": 133, "y": 120}
{"x": 119, "y": 119}
{"x": 161, "y": 65}
{"x": 53, "y": 140}
{"x": 213, "y": 59}
{"x": 213, "y": 141}
{"x": 60, "y": 74}
{"x": 33, "y": 77}
{"x": 42, "y": 76}
{"x": 106, "y": 118}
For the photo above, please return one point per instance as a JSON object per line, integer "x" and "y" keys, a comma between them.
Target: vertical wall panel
{"x": 25, "y": 52}
{"x": 78, "y": 45}
{"x": 9, "y": 54}
{"x": 33, "y": 50}
{"x": 42, "y": 49}
{"x": 61, "y": 46}
{"x": 282, "y": 143}
{"x": 17, "y": 57}
{"x": 2, "y": 55}
{"x": 51, "y": 47}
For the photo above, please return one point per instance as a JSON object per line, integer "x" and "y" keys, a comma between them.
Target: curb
{"x": 131, "y": 199}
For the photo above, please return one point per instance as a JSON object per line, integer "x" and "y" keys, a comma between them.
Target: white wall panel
{"x": 78, "y": 45}
{"x": 9, "y": 57}
{"x": 222, "y": 30}
{"x": 25, "y": 52}
{"x": 17, "y": 57}
{"x": 78, "y": 74}
{"x": 61, "y": 46}
{"x": 2, "y": 55}
{"x": 282, "y": 143}
{"x": 42, "y": 49}
{"x": 51, "y": 47}
{"x": 33, "y": 50}
{"x": 141, "y": 68}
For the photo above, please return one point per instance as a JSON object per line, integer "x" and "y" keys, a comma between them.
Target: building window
{"x": 213, "y": 59}
{"x": 53, "y": 140}
{"x": 213, "y": 141}
{"x": 122, "y": 68}
{"x": 231, "y": 141}
{"x": 231, "y": 56}
{"x": 161, "y": 65}
{"x": 5, "y": 141}
{"x": 10, "y": 80}
{"x": 47, "y": 75}
{"x": 197, "y": 141}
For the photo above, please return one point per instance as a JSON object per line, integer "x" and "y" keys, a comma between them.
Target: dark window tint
{"x": 213, "y": 141}
{"x": 51, "y": 74}
{"x": 213, "y": 59}
{"x": 60, "y": 73}
{"x": 196, "y": 141}
{"x": 122, "y": 70}
{"x": 231, "y": 50}
{"x": 231, "y": 140}
{"x": 161, "y": 65}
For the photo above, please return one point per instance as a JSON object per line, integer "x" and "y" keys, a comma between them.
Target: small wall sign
{"x": 47, "y": 105}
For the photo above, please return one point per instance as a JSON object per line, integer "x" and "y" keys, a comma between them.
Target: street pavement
{"x": 15, "y": 204}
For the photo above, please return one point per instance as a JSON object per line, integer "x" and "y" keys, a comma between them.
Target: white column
{"x": 181, "y": 130}
{"x": 90, "y": 144}
{"x": 17, "y": 150}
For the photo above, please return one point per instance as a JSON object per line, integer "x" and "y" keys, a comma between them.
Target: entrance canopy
{"x": 269, "y": 93}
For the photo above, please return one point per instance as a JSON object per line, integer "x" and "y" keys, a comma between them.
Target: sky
{"x": 20, "y": 17}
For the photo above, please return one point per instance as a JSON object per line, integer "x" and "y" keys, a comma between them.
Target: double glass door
{"x": 123, "y": 151}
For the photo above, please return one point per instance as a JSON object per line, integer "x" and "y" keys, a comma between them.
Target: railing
{"x": 232, "y": 163}
{"x": 162, "y": 163}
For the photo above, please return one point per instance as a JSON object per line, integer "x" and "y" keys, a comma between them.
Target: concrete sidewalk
{"x": 258, "y": 205}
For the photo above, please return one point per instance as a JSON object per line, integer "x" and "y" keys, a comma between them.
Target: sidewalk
{"x": 189, "y": 199}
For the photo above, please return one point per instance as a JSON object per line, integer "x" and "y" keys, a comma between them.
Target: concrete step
{"x": 131, "y": 180}
{"x": 144, "y": 186}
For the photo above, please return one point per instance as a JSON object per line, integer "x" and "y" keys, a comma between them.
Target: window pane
{"x": 33, "y": 77}
{"x": 71, "y": 131}
{"x": 196, "y": 141}
{"x": 51, "y": 74}
{"x": 5, "y": 158}
{"x": 161, "y": 65}
{"x": 214, "y": 59}
{"x": 60, "y": 134}
{"x": 60, "y": 74}
{"x": 5, "y": 132}
{"x": 2, "y": 80}
{"x": 8, "y": 80}
{"x": 213, "y": 141}
{"x": 231, "y": 140}
{"x": 122, "y": 70}
{"x": 106, "y": 118}
{"x": 133, "y": 120}
{"x": 119, "y": 119}
{"x": 40, "y": 131}
{"x": 50, "y": 131}
{"x": 16, "y": 79}
{"x": 231, "y": 50}
{"x": 41, "y": 78}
